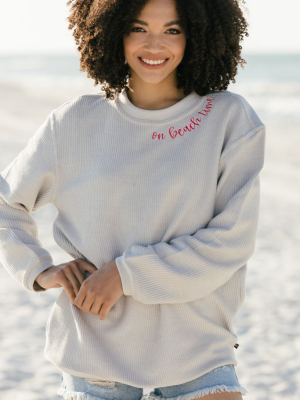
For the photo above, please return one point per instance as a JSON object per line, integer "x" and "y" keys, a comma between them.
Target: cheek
{"x": 131, "y": 44}
{"x": 177, "y": 47}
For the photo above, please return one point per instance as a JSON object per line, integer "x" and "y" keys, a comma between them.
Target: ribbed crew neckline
{"x": 175, "y": 110}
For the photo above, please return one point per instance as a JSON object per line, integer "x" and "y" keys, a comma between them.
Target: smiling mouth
{"x": 152, "y": 63}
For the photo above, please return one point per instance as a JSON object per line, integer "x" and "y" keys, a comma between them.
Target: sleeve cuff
{"x": 45, "y": 264}
{"x": 126, "y": 277}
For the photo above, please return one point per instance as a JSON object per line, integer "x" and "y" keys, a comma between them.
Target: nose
{"x": 154, "y": 44}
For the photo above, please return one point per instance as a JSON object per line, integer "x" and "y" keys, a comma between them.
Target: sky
{"x": 41, "y": 27}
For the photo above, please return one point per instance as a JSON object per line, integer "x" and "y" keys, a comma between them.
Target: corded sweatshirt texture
{"x": 173, "y": 196}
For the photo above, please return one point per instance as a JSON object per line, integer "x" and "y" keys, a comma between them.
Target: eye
{"x": 134, "y": 29}
{"x": 174, "y": 30}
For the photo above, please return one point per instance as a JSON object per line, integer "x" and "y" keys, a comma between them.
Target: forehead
{"x": 160, "y": 10}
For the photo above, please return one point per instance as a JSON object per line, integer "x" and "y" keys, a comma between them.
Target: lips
{"x": 161, "y": 60}
{"x": 154, "y": 58}
{"x": 153, "y": 66}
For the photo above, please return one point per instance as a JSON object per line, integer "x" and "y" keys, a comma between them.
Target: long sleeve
{"x": 26, "y": 185}
{"x": 192, "y": 266}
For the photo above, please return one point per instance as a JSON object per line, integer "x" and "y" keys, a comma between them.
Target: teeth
{"x": 151, "y": 62}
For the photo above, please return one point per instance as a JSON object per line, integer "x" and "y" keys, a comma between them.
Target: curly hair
{"x": 214, "y": 30}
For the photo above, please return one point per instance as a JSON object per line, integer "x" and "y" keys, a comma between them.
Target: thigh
{"x": 80, "y": 388}
{"x": 219, "y": 384}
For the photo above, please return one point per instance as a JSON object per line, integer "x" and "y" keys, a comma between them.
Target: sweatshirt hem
{"x": 149, "y": 384}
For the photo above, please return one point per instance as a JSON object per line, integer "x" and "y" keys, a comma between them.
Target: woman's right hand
{"x": 69, "y": 275}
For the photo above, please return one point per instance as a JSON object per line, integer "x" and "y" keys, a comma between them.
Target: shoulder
{"x": 237, "y": 108}
{"x": 80, "y": 104}
{"x": 239, "y": 119}
{"x": 79, "y": 118}
{"x": 80, "y": 109}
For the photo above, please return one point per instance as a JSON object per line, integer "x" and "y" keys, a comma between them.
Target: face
{"x": 156, "y": 43}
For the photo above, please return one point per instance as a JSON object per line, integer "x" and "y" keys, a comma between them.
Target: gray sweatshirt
{"x": 173, "y": 196}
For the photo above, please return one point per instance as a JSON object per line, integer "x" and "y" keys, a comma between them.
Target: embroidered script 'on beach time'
{"x": 193, "y": 124}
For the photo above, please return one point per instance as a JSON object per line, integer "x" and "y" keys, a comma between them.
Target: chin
{"x": 154, "y": 79}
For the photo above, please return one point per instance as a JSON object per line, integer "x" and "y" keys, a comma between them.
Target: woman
{"x": 156, "y": 183}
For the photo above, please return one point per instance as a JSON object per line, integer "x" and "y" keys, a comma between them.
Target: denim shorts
{"x": 221, "y": 379}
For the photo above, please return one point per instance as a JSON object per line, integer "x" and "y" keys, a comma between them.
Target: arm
{"x": 193, "y": 266}
{"x": 26, "y": 185}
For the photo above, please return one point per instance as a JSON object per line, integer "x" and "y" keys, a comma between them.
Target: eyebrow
{"x": 138, "y": 21}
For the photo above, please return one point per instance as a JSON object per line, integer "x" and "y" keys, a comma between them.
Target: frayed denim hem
{"x": 68, "y": 395}
{"x": 199, "y": 393}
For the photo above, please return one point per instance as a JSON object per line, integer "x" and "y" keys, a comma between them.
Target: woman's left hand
{"x": 100, "y": 291}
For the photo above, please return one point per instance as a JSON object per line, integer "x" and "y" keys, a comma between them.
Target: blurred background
{"x": 39, "y": 71}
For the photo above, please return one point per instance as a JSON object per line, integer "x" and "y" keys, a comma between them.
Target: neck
{"x": 149, "y": 96}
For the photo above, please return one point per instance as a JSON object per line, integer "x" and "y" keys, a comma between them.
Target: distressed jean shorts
{"x": 220, "y": 379}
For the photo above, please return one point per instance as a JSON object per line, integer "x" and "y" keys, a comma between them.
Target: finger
{"x": 71, "y": 277}
{"x": 67, "y": 286}
{"x": 96, "y": 307}
{"x": 104, "y": 310}
{"x": 81, "y": 295}
{"x": 87, "y": 302}
{"x": 78, "y": 273}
